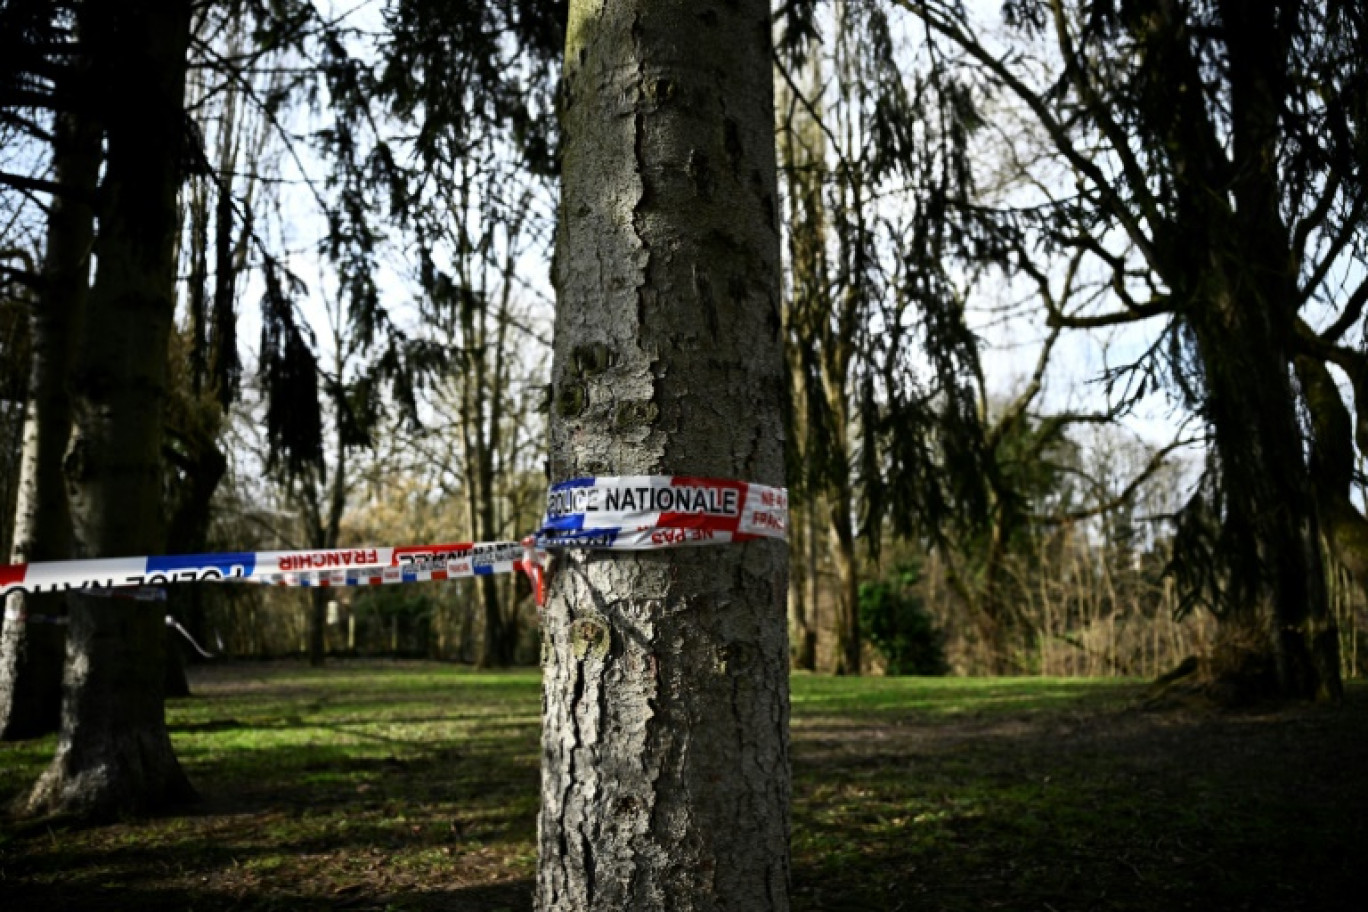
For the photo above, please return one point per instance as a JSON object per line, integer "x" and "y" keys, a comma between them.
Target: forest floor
{"x": 413, "y": 786}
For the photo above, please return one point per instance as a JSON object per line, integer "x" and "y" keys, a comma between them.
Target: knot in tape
{"x": 535, "y": 564}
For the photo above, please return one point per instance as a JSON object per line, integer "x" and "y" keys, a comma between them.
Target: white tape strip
{"x": 638, "y": 512}
{"x": 627, "y": 512}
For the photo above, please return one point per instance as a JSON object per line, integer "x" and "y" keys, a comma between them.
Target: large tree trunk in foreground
{"x": 665, "y": 778}
{"x": 114, "y": 755}
{"x": 31, "y": 650}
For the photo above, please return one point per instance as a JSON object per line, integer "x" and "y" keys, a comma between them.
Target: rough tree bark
{"x": 31, "y": 653}
{"x": 114, "y": 755}
{"x": 1332, "y": 455}
{"x": 1278, "y": 607}
{"x": 665, "y": 777}
{"x": 1237, "y": 262}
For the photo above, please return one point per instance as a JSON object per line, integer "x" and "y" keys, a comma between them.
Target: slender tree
{"x": 322, "y": 489}
{"x": 31, "y": 653}
{"x": 893, "y": 440}
{"x": 15, "y": 307}
{"x": 219, "y": 242}
{"x": 472, "y": 310}
{"x": 665, "y": 780}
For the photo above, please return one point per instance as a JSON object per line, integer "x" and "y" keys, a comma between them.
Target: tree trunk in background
{"x": 801, "y": 144}
{"x": 802, "y": 632}
{"x": 846, "y": 561}
{"x": 318, "y": 625}
{"x": 500, "y": 630}
{"x": 665, "y": 777}
{"x": 1242, "y": 262}
{"x": 1277, "y": 606}
{"x": 1332, "y": 462}
{"x": 485, "y": 393}
{"x": 988, "y": 605}
{"x": 188, "y": 533}
{"x": 31, "y": 652}
{"x": 1228, "y": 255}
{"x": 325, "y": 528}
{"x": 114, "y": 755}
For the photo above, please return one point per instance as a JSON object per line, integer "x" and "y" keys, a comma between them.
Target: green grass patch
{"x": 415, "y": 786}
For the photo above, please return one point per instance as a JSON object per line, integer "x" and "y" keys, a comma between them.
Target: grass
{"x": 414, "y": 786}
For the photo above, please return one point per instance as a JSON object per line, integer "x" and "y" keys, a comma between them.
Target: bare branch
{"x": 1353, "y": 309}
{"x": 1058, "y": 132}
{"x": 1155, "y": 463}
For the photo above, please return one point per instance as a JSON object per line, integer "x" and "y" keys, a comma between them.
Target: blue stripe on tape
{"x": 570, "y": 522}
{"x": 550, "y": 535}
{"x": 223, "y": 563}
{"x": 574, "y": 483}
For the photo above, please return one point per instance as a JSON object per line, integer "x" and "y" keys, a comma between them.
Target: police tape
{"x": 319, "y": 567}
{"x": 629, "y": 512}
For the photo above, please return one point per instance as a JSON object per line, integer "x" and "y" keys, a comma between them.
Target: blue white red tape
{"x": 642, "y": 512}
{"x": 630, "y": 512}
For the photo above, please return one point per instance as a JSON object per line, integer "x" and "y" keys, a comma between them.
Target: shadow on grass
{"x": 515, "y": 896}
{"x": 1115, "y": 811}
{"x": 908, "y": 795}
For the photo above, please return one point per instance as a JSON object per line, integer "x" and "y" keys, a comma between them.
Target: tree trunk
{"x": 1276, "y": 605}
{"x": 318, "y": 625}
{"x": 803, "y": 165}
{"x": 484, "y": 417}
{"x": 325, "y": 528}
{"x": 114, "y": 755}
{"x": 803, "y": 636}
{"x": 848, "y": 646}
{"x": 204, "y": 466}
{"x": 1332, "y": 463}
{"x": 1229, "y": 257}
{"x": 500, "y": 634}
{"x": 496, "y": 650}
{"x": 31, "y": 653}
{"x": 989, "y": 605}
{"x": 665, "y": 778}
{"x": 1271, "y": 487}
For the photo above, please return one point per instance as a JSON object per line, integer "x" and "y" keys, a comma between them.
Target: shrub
{"x": 895, "y": 621}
